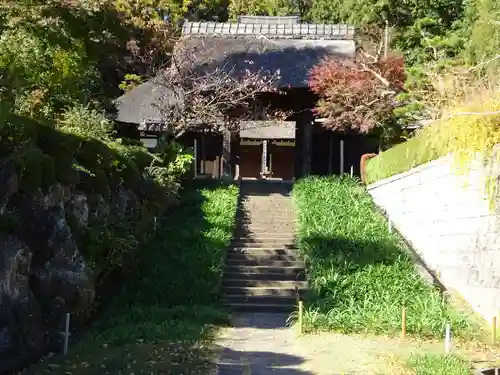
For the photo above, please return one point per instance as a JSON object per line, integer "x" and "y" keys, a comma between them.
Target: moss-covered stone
{"x": 94, "y": 154}
{"x": 9, "y": 223}
{"x": 16, "y": 133}
{"x": 94, "y": 182}
{"x": 48, "y": 172}
{"x": 30, "y": 169}
{"x": 57, "y": 144}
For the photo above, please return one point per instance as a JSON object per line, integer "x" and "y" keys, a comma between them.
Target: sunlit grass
{"x": 438, "y": 365}
{"x": 360, "y": 273}
{"x": 467, "y": 127}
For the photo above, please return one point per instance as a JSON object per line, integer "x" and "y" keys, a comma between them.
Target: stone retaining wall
{"x": 446, "y": 216}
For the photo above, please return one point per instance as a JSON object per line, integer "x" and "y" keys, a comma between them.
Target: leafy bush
{"x": 87, "y": 122}
{"x": 361, "y": 275}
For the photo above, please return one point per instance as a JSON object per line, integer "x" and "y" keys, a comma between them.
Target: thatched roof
{"x": 285, "y": 48}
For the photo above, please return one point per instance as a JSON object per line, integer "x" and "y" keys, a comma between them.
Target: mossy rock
{"x": 16, "y": 133}
{"x": 48, "y": 172}
{"x": 124, "y": 172}
{"x": 56, "y": 143}
{"x": 9, "y": 223}
{"x": 29, "y": 163}
{"x": 95, "y": 182}
{"x": 141, "y": 156}
{"x": 94, "y": 154}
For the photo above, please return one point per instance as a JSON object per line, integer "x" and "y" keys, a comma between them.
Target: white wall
{"x": 446, "y": 217}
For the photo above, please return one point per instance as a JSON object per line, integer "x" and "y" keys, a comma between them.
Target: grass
{"x": 161, "y": 320}
{"x": 418, "y": 150}
{"x": 360, "y": 274}
{"x": 473, "y": 128}
{"x": 433, "y": 364}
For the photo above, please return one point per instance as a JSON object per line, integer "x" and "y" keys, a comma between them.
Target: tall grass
{"x": 361, "y": 277}
{"x": 161, "y": 314}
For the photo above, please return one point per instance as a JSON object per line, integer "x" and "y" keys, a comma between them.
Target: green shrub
{"x": 86, "y": 122}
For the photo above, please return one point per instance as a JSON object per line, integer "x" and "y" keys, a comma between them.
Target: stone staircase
{"x": 263, "y": 271}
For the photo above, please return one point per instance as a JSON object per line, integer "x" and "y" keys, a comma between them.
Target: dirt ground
{"x": 259, "y": 344}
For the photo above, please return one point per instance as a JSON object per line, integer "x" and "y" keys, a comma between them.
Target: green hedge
{"x": 416, "y": 151}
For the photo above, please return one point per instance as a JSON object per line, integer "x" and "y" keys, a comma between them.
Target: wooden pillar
{"x": 330, "y": 153}
{"x": 216, "y": 167}
{"x": 341, "y": 157}
{"x": 306, "y": 166}
{"x": 226, "y": 154}
{"x": 202, "y": 158}
{"x": 195, "y": 155}
{"x": 263, "y": 169}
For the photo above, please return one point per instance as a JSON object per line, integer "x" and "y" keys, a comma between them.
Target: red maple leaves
{"x": 357, "y": 94}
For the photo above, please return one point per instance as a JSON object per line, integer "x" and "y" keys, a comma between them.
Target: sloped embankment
{"x": 160, "y": 319}
{"x": 360, "y": 274}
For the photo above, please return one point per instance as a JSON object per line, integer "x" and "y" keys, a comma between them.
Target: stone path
{"x": 263, "y": 271}
{"x": 259, "y": 344}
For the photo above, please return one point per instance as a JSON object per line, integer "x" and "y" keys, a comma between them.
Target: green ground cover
{"x": 402, "y": 157}
{"x": 433, "y": 364}
{"x": 160, "y": 321}
{"x": 361, "y": 276}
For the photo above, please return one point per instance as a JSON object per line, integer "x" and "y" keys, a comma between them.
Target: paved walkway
{"x": 259, "y": 344}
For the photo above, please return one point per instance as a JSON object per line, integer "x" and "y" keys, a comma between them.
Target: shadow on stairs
{"x": 263, "y": 271}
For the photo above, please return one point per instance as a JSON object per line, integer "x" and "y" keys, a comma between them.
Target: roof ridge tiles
{"x": 275, "y": 30}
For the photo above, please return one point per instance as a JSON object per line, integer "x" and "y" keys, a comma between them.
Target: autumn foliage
{"x": 357, "y": 94}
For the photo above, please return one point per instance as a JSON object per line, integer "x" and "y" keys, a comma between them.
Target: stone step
{"x": 267, "y": 263}
{"x": 245, "y": 233}
{"x": 268, "y": 276}
{"x": 265, "y": 236}
{"x": 256, "y": 220}
{"x": 261, "y": 308}
{"x": 259, "y": 243}
{"x": 227, "y": 282}
{"x": 256, "y": 243}
{"x": 272, "y": 227}
{"x": 266, "y": 213}
{"x": 265, "y": 207}
{"x": 265, "y": 269}
{"x": 264, "y": 291}
{"x": 263, "y": 220}
{"x": 263, "y": 254}
{"x": 259, "y": 300}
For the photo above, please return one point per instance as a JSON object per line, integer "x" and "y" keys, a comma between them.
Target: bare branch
{"x": 494, "y": 113}
{"x": 483, "y": 63}
{"x": 198, "y": 92}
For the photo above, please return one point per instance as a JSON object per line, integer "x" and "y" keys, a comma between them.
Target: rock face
{"x": 42, "y": 272}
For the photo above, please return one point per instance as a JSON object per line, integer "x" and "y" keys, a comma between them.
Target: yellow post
{"x": 494, "y": 330}
{"x": 301, "y": 311}
{"x": 403, "y": 322}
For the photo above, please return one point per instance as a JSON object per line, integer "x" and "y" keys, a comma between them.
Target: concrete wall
{"x": 446, "y": 216}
